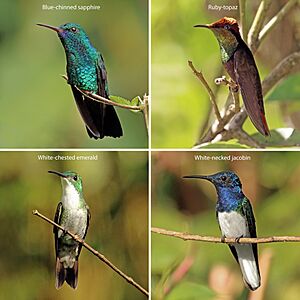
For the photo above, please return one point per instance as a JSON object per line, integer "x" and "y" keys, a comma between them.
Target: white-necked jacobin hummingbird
{"x": 72, "y": 214}
{"x": 236, "y": 220}
{"x": 86, "y": 70}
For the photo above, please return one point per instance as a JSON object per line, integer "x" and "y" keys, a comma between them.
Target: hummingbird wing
{"x": 248, "y": 213}
{"x": 246, "y": 254}
{"x": 87, "y": 226}
{"x": 89, "y": 111}
{"x": 110, "y": 122}
{"x": 57, "y": 221}
{"x": 247, "y": 77}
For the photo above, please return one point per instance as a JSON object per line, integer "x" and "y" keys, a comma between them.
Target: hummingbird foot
{"x": 224, "y": 81}
{"x": 237, "y": 240}
{"x": 223, "y": 238}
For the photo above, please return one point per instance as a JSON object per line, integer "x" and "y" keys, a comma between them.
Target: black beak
{"x": 198, "y": 177}
{"x": 202, "y": 26}
{"x": 58, "y": 173}
{"x": 57, "y": 29}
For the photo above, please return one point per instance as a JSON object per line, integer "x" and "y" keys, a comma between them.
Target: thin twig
{"x": 145, "y": 104}
{"x": 257, "y": 24}
{"x": 276, "y": 19}
{"x": 211, "y": 239}
{"x": 95, "y": 252}
{"x": 103, "y": 100}
{"x": 212, "y": 97}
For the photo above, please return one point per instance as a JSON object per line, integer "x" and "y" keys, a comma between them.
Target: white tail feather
{"x": 248, "y": 265}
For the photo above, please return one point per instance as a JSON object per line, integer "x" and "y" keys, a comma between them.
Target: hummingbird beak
{"x": 57, "y": 29}
{"x": 57, "y": 173}
{"x": 202, "y": 26}
{"x": 198, "y": 177}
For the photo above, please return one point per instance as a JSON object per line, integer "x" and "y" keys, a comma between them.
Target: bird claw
{"x": 234, "y": 88}
{"x": 221, "y": 81}
{"x": 237, "y": 240}
{"x": 223, "y": 239}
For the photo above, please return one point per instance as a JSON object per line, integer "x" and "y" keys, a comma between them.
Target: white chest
{"x": 70, "y": 198}
{"x": 232, "y": 224}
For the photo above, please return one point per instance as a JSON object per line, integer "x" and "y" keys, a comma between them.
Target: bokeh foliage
{"x": 37, "y": 106}
{"x": 180, "y": 103}
{"x": 270, "y": 180}
{"x": 116, "y": 189}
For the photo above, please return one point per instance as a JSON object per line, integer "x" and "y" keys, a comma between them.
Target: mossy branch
{"x": 96, "y": 253}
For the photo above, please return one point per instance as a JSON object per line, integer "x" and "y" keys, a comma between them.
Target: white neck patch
{"x": 70, "y": 197}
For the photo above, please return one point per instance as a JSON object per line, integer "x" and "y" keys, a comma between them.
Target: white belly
{"x": 232, "y": 224}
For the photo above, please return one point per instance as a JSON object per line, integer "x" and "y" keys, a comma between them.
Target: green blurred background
{"x": 37, "y": 106}
{"x": 270, "y": 180}
{"x": 180, "y": 103}
{"x": 116, "y": 189}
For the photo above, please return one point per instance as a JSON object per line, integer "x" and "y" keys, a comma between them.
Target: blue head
{"x": 72, "y": 36}
{"x": 228, "y": 186}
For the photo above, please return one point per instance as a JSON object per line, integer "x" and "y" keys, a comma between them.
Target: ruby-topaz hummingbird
{"x": 239, "y": 63}
{"x": 236, "y": 220}
{"x": 72, "y": 214}
{"x": 86, "y": 70}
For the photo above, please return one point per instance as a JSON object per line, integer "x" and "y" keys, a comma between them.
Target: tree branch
{"x": 276, "y": 19}
{"x": 212, "y": 97}
{"x": 210, "y": 239}
{"x": 242, "y": 6}
{"x": 257, "y": 24}
{"x": 95, "y": 252}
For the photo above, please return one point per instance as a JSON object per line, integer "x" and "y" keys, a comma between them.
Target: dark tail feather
{"x": 72, "y": 275}
{"x": 112, "y": 125}
{"x": 100, "y": 119}
{"x": 60, "y": 274}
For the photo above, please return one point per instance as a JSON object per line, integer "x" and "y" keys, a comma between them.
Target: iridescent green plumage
{"x": 86, "y": 70}
{"x": 72, "y": 214}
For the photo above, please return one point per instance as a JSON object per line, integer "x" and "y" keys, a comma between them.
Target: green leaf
{"x": 191, "y": 291}
{"x": 120, "y": 100}
{"x": 288, "y": 90}
{"x": 285, "y": 137}
{"x": 135, "y": 101}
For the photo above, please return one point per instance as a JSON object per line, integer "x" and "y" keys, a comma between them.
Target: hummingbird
{"x": 72, "y": 214}
{"x": 239, "y": 63}
{"x": 236, "y": 219}
{"x": 86, "y": 71}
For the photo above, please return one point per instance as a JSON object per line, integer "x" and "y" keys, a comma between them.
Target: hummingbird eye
{"x": 227, "y": 26}
{"x": 223, "y": 178}
{"x": 74, "y": 29}
{"x": 75, "y": 177}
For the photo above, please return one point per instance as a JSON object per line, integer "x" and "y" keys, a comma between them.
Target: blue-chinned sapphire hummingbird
{"x": 86, "y": 70}
{"x": 236, "y": 220}
{"x": 72, "y": 214}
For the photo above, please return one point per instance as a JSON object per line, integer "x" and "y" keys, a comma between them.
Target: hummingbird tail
{"x": 72, "y": 275}
{"x": 112, "y": 125}
{"x": 100, "y": 119}
{"x": 248, "y": 265}
{"x": 60, "y": 274}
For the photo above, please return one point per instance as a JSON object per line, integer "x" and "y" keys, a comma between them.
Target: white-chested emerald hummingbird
{"x": 236, "y": 220}
{"x": 72, "y": 214}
